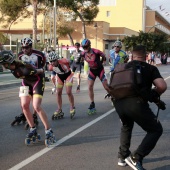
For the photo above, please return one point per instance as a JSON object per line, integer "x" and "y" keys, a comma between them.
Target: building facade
{"x": 115, "y": 20}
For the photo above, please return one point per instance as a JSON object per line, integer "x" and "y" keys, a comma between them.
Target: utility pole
{"x": 54, "y": 25}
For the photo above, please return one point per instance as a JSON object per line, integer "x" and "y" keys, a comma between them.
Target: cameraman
{"x": 136, "y": 109}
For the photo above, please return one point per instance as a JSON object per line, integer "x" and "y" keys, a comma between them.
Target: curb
{"x": 3, "y": 86}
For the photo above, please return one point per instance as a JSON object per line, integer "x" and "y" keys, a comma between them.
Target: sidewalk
{"x": 8, "y": 80}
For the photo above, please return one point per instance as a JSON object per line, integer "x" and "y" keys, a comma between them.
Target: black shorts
{"x": 36, "y": 86}
{"x": 76, "y": 67}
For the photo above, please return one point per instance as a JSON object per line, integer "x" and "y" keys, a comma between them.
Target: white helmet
{"x": 117, "y": 43}
{"x": 6, "y": 57}
{"x": 26, "y": 42}
{"x": 52, "y": 56}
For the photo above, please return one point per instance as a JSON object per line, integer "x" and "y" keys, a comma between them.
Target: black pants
{"x": 132, "y": 110}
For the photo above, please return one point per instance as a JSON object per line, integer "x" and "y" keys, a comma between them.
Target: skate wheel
{"x": 27, "y": 141}
{"x": 13, "y": 123}
{"x": 26, "y": 126}
{"x": 72, "y": 115}
{"x": 47, "y": 143}
{"x": 38, "y": 137}
{"x": 33, "y": 139}
{"x": 89, "y": 112}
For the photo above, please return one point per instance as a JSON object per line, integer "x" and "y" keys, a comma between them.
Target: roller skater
{"x": 95, "y": 59}
{"x": 72, "y": 112}
{"x": 116, "y": 56}
{"x": 29, "y": 68}
{"x": 76, "y": 65}
{"x": 49, "y": 138}
{"x": 32, "y": 136}
{"x": 61, "y": 70}
{"x": 91, "y": 109}
{"x": 19, "y": 119}
{"x": 58, "y": 114}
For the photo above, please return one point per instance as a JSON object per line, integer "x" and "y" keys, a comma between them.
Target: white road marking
{"x": 166, "y": 78}
{"x": 45, "y": 150}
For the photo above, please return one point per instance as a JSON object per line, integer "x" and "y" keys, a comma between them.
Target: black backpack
{"x": 126, "y": 80}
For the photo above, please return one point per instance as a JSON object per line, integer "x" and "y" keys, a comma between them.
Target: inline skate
{"x": 35, "y": 121}
{"x": 49, "y": 138}
{"x": 72, "y": 112}
{"x": 58, "y": 114}
{"x": 32, "y": 136}
{"x": 19, "y": 119}
{"x": 91, "y": 109}
{"x": 78, "y": 89}
{"x": 53, "y": 90}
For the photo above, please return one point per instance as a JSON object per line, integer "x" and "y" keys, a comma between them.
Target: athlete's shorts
{"x": 76, "y": 67}
{"x": 93, "y": 73}
{"x": 53, "y": 73}
{"x": 36, "y": 86}
{"x": 66, "y": 78}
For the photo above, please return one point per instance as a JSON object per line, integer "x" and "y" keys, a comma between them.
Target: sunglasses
{"x": 52, "y": 61}
{"x": 85, "y": 47}
{"x": 116, "y": 46}
{"x": 27, "y": 47}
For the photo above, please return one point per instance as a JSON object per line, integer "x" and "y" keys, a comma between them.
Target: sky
{"x": 162, "y": 6}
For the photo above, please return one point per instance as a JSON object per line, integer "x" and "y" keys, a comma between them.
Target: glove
{"x": 161, "y": 105}
{"x": 23, "y": 69}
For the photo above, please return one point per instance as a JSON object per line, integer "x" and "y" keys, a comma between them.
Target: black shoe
{"x": 121, "y": 162}
{"x": 136, "y": 165}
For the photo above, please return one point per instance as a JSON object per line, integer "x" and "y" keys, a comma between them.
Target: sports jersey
{"x": 93, "y": 58}
{"x": 117, "y": 58}
{"x": 37, "y": 58}
{"x": 76, "y": 56}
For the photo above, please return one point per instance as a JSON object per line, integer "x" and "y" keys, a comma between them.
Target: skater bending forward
{"x": 63, "y": 75}
{"x": 32, "y": 89}
{"x": 95, "y": 59}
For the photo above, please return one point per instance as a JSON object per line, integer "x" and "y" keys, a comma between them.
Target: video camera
{"x": 155, "y": 97}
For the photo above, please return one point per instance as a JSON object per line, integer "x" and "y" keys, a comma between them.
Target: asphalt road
{"x": 84, "y": 143}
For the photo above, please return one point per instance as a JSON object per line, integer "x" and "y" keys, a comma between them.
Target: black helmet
{"x": 6, "y": 57}
{"x": 77, "y": 44}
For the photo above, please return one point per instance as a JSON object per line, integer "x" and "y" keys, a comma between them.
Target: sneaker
{"x": 133, "y": 164}
{"x": 121, "y": 162}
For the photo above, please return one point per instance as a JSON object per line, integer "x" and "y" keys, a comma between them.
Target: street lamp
{"x": 153, "y": 27}
{"x": 95, "y": 25}
{"x": 55, "y": 25}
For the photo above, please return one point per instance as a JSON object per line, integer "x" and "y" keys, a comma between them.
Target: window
{"x": 108, "y": 13}
{"x": 107, "y": 2}
{"x": 106, "y": 46}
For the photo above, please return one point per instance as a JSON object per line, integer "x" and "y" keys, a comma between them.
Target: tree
{"x": 64, "y": 28}
{"x": 152, "y": 41}
{"x": 15, "y": 11}
{"x": 85, "y": 10}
